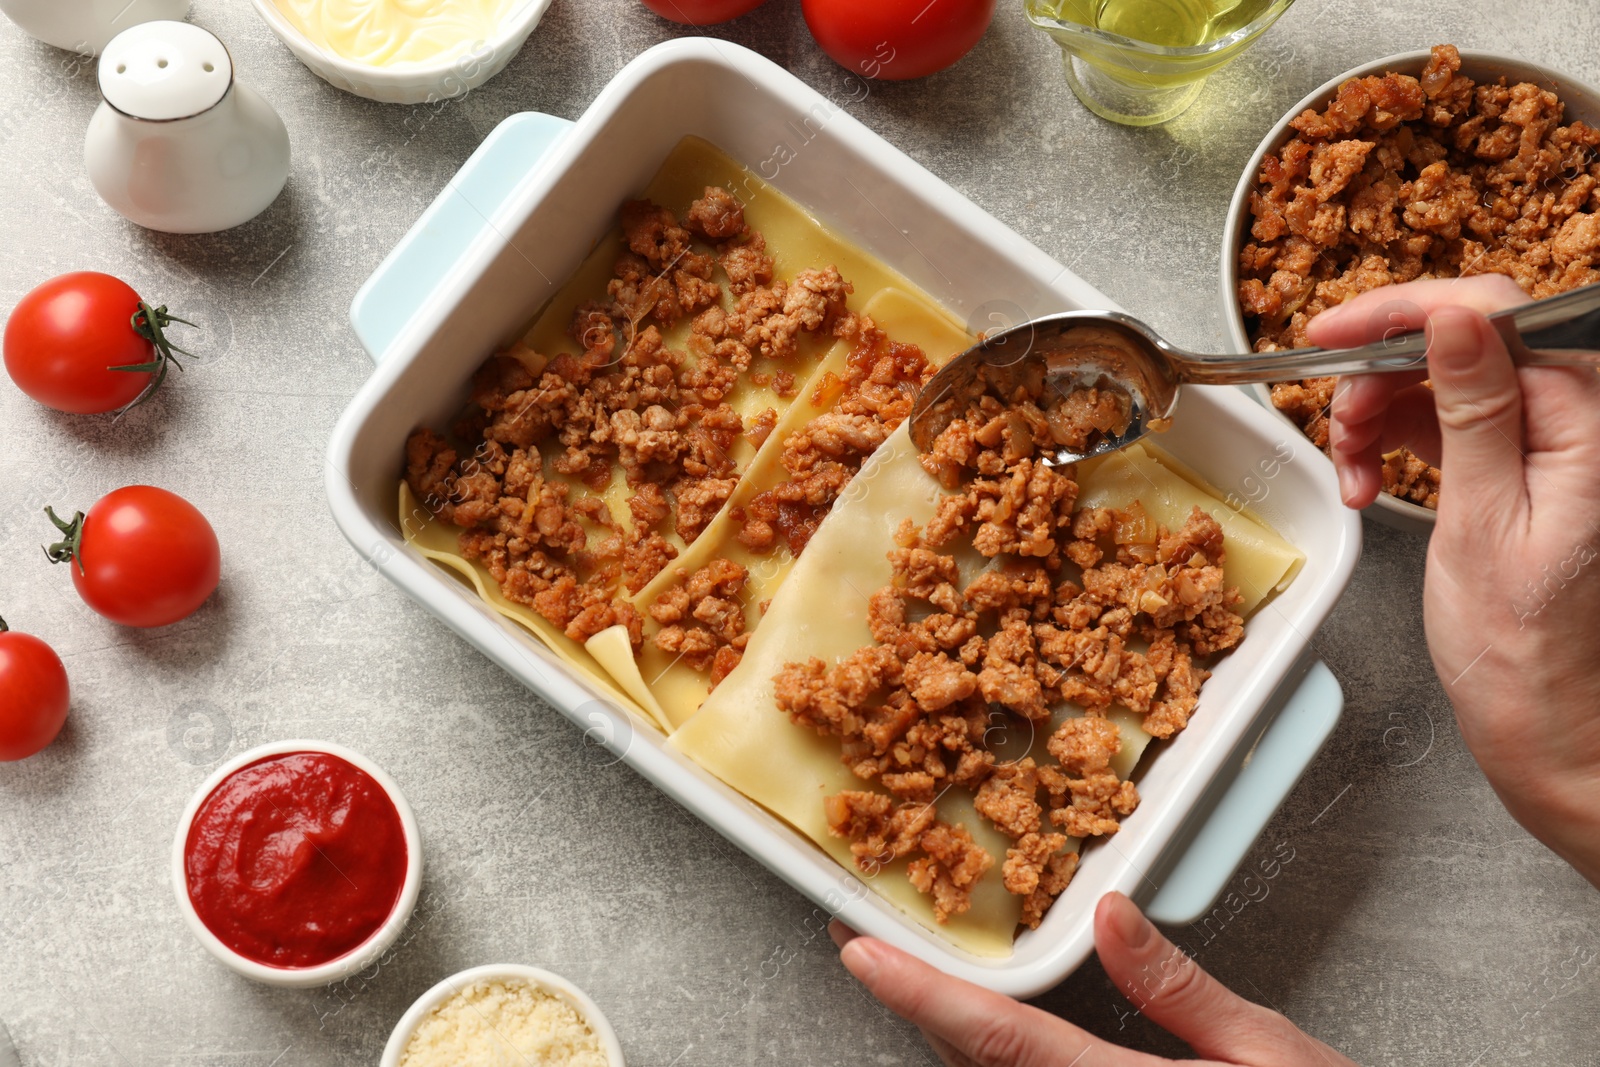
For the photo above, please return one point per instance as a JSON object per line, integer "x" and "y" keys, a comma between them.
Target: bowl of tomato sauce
{"x": 297, "y": 863}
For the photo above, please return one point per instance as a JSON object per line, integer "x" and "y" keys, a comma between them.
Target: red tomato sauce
{"x": 296, "y": 859}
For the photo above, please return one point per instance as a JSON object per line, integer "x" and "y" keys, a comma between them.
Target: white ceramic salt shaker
{"x": 177, "y": 144}
{"x": 86, "y": 25}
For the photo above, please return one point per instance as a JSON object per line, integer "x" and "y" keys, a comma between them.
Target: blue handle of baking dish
{"x": 1306, "y": 713}
{"x": 387, "y": 300}
{"x": 1304, "y": 720}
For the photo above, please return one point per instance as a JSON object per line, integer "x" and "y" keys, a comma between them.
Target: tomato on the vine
{"x": 141, "y": 557}
{"x": 897, "y": 39}
{"x": 701, "y": 12}
{"x": 86, "y": 343}
{"x": 34, "y": 694}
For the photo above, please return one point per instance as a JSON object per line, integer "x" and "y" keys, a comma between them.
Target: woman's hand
{"x": 971, "y": 1027}
{"x": 1512, "y": 598}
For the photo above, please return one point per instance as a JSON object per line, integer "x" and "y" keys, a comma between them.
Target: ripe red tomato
{"x": 33, "y": 694}
{"x": 85, "y": 343}
{"x": 701, "y": 12}
{"x": 141, "y": 557}
{"x": 897, "y": 39}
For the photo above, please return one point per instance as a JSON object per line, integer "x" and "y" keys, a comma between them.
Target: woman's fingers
{"x": 1356, "y": 420}
{"x": 985, "y": 1028}
{"x": 1166, "y": 985}
{"x": 1358, "y": 448}
{"x": 1389, "y": 312}
{"x": 1374, "y": 414}
{"x": 971, "y": 1027}
{"x": 1410, "y": 418}
{"x": 1360, "y": 398}
{"x": 948, "y": 1053}
{"x": 1360, "y": 481}
{"x": 1479, "y": 403}
{"x": 1174, "y": 993}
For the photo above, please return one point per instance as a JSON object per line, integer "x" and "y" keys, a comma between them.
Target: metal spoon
{"x": 1051, "y": 357}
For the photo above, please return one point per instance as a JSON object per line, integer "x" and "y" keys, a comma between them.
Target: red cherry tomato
{"x": 33, "y": 694}
{"x": 65, "y": 341}
{"x": 141, "y": 557}
{"x": 702, "y": 12}
{"x": 897, "y": 39}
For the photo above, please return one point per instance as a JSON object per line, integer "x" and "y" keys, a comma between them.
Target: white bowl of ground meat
{"x": 1427, "y": 164}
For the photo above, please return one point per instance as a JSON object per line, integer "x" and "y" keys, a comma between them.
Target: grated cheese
{"x": 495, "y": 1022}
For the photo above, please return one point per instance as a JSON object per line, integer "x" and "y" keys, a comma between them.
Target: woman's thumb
{"x": 1479, "y": 401}
{"x": 1173, "y": 992}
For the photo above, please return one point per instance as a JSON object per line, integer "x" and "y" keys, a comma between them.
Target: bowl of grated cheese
{"x": 503, "y": 1013}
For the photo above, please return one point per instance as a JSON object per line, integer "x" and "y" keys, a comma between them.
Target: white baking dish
{"x": 503, "y": 238}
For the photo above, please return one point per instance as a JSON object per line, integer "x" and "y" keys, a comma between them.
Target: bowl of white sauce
{"x": 402, "y": 51}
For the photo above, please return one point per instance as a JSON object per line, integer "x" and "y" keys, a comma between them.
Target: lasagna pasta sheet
{"x": 821, "y": 610}
{"x": 439, "y": 542}
{"x": 908, "y": 319}
{"x": 1259, "y": 561}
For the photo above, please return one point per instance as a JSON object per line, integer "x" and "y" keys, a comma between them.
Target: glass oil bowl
{"x": 1143, "y": 62}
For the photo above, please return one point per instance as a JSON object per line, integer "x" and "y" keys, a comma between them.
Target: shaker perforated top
{"x": 164, "y": 70}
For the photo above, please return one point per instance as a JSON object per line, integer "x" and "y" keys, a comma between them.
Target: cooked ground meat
{"x": 1085, "y": 796}
{"x": 524, "y": 530}
{"x": 1009, "y": 799}
{"x": 702, "y": 618}
{"x": 542, "y": 437}
{"x": 1037, "y": 860}
{"x": 716, "y": 216}
{"x": 994, "y": 421}
{"x": 871, "y": 400}
{"x": 879, "y": 830}
{"x": 1089, "y": 606}
{"x": 767, "y": 321}
{"x": 951, "y": 864}
{"x": 746, "y": 263}
{"x": 1403, "y": 178}
{"x": 1085, "y": 415}
{"x": 947, "y": 863}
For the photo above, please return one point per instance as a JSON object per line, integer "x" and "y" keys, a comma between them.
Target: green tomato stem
{"x": 70, "y": 548}
{"x": 151, "y": 323}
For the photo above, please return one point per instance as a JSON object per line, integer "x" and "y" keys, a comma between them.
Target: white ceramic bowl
{"x": 1583, "y": 102}
{"x": 334, "y": 970}
{"x": 550, "y": 983}
{"x": 412, "y": 83}
{"x": 864, "y": 188}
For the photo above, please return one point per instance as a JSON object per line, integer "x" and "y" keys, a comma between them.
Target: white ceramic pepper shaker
{"x": 177, "y": 144}
{"x": 86, "y": 25}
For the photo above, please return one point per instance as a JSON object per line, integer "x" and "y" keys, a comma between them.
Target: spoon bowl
{"x": 1048, "y": 360}
{"x": 1058, "y": 360}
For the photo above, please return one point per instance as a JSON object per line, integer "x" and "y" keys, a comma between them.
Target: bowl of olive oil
{"x": 1143, "y": 62}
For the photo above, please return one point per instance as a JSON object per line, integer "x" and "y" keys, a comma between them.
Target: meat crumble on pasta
{"x": 1096, "y": 607}
{"x": 543, "y": 437}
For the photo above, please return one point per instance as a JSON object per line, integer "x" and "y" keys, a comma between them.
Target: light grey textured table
{"x": 1416, "y": 924}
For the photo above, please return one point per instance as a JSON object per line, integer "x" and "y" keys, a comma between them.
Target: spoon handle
{"x": 1562, "y": 331}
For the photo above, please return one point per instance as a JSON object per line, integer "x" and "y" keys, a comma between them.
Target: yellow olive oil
{"x": 1142, "y": 62}
{"x": 1175, "y": 23}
